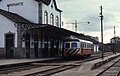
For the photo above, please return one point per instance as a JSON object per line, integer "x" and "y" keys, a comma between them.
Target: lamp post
{"x": 102, "y": 45}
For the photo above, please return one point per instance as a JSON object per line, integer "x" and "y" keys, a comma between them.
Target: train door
{"x": 9, "y": 44}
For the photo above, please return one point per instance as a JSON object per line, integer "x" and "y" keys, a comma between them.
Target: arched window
{"x": 46, "y": 17}
{"x": 57, "y": 21}
{"x": 52, "y": 19}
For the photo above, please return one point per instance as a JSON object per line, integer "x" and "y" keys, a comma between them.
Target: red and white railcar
{"x": 77, "y": 47}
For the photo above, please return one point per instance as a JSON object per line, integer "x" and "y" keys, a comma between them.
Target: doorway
{"x": 9, "y": 44}
{"x": 36, "y": 45}
{"x": 27, "y": 45}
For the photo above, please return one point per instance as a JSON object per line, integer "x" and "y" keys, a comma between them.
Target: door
{"x": 9, "y": 45}
{"x": 36, "y": 45}
{"x": 27, "y": 45}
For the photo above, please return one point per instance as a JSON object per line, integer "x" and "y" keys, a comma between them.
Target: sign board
{"x": 15, "y": 4}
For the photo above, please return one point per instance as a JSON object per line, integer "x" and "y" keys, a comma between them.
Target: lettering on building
{"x": 15, "y": 4}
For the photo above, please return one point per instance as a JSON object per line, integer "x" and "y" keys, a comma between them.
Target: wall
{"x": 96, "y": 50}
{"x": 6, "y": 26}
{"x": 50, "y": 10}
{"x": 28, "y": 10}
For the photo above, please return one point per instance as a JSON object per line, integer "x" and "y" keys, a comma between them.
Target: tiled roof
{"x": 14, "y": 17}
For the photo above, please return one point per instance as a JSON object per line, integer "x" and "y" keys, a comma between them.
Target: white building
{"x": 115, "y": 40}
{"x": 16, "y": 17}
{"x": 31, "y": 29}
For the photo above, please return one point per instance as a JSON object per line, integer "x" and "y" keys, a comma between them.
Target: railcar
{"x": 77, "y": 47}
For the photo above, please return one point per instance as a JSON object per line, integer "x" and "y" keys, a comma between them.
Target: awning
{"x": 62, "y": 33}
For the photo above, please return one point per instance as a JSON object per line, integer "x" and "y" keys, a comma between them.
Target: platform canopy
{"x": 56, "y": 32}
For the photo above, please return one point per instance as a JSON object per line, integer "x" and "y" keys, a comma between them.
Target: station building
{"x": 31, "y": 29}
{"x": 115, "y": 44}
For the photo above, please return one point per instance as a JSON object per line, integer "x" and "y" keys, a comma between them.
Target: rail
{"x": 54, "y": 67}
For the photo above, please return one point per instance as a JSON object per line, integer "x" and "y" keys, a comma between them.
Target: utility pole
{"x": 115, "y": 44}
{"x": 76, "y": 25}
{"x": 114, "y": 32}
{"x": 102, "y": 45}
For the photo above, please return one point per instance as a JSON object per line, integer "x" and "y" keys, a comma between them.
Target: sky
{"x": 89, "y": 11}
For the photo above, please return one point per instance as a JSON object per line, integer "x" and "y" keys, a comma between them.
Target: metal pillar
{"x": 102, "y": 45}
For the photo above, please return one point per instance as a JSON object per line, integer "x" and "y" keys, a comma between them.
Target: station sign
{"x": 15, "y": 4}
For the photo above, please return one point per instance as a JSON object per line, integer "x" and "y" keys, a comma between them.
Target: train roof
{"x": 72, "y": 38}
{"x": 85, "y": 41}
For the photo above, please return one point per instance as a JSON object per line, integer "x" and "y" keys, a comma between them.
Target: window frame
{"x": 67, "y": 46}
{"x": 57, "y": 21}
{"x": 74, "y": 46}
{"x": 45, "y": 17}
{"x": 52, "y": 19}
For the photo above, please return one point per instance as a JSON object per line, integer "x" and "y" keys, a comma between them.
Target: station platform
{"x": 7, "y": 62}
{"x": 92, "y": 68}
{"x": 4, "y": 62}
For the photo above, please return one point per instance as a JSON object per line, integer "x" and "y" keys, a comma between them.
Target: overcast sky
{"x": 89, "y": 10}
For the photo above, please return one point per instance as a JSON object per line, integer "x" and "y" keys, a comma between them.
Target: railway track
{"x": 113, "y": 70}
{"x": 16, "y": 68}
{"x": 53, "y": 70}
{"x": 45, "y": 68}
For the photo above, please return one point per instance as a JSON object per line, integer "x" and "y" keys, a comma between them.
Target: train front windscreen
{"x": 73, "y": 45}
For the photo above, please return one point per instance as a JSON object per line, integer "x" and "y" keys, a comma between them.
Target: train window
{"x": 81, "y": 45}
{"x": 67, "y": 45}
{"x": 85, "y": 45}
{"x": 73, "y": 45}
{"x": 89, "y": 46}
